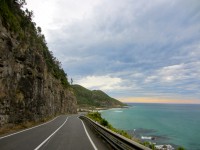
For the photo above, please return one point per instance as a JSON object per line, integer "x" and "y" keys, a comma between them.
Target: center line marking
{"x": 37, "y": 148}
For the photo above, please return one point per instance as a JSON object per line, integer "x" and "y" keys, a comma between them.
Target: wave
{"x": 118, "y": 111}
{"x": 146, "y": 137}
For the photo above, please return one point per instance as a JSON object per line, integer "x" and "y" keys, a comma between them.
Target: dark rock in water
{"x": 153, "y": 138}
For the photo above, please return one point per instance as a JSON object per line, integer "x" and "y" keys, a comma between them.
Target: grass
{"x": 11, "y": 128}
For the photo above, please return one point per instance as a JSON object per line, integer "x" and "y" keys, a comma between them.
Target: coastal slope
{"x": 95, "y": 98}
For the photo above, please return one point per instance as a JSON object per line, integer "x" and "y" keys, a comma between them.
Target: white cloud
{"x": 134, "y": 47}
{"x": 150, "y": 78}
{"x": 175, "y": 73}
{"x": 54, "y": 14}
{"x": 188, "y": 53}
{"x": 102, "y": 83}
{"x": 137, "y": 75}
{"x": 172, "y": 73}
{"x": 195, "y": 51}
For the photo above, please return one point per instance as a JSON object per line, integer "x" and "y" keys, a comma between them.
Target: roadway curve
{"x": 62, "y": 133}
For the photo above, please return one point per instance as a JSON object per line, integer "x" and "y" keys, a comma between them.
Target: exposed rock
{"x": 28, "y": 91}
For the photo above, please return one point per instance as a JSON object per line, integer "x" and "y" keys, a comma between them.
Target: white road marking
{"x": 27, "y": 129}
{"x": 38, "y": 147}
{"x": 95, "y": 148}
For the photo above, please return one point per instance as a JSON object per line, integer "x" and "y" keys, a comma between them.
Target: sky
{"x": 134, "y": 50}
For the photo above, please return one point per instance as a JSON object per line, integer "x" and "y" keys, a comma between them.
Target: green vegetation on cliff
{"x": 19, "y": 23}
{"x": 96, "y": 98}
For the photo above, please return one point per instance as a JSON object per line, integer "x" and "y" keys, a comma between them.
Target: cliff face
{"x": 28, "y": 91}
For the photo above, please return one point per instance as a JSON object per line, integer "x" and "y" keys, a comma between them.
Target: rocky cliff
{"x": 30, "y": 86}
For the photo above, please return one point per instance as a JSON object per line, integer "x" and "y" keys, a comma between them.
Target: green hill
{"x": 96, "y": 98}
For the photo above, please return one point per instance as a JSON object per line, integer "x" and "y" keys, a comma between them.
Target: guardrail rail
{"x": 117, "y": 141}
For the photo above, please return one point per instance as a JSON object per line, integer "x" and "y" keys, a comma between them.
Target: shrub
{"x": 97, "y": 117}
{"x": 104, "y": 122}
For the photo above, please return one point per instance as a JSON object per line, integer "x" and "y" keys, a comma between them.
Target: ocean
{"x": 174, "y": 124}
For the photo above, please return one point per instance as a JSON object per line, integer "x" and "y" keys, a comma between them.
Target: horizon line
{"x": 158, "y": 100}
{"x": 161, "y": 103}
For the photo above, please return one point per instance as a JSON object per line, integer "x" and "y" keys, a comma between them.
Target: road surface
{"x": 62, "y": 133}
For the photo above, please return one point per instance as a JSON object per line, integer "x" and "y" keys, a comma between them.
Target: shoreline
{"x": 94, "y": 109}
{"x": 146, "y": 135}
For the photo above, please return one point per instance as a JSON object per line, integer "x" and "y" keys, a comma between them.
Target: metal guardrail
{"x": 117, "y": 141}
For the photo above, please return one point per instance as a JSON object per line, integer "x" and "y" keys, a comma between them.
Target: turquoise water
{"x": 174, "y": 124}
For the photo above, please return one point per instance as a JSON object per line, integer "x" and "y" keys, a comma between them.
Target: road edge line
{"x": 95, "y": 148}
{"x": 27, "y": 129}
{"x": 38, "y": 147}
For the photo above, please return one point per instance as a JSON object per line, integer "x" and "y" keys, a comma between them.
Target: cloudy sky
{"x": 134, "y": 50}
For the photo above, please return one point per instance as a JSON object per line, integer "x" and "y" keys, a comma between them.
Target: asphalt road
{"x": 62, "y": 133}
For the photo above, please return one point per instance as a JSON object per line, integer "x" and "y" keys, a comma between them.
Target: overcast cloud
{"x": 128, "y": 48}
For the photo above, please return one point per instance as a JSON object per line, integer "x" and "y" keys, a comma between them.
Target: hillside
{"x": 96, "y": 98}
{"x": 33, "y": 86}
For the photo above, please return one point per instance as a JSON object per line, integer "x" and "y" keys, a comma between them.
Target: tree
{"x": 39, "y": 31}
{"x": 29, "y": 14}
{"x": 21, "y": 3}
